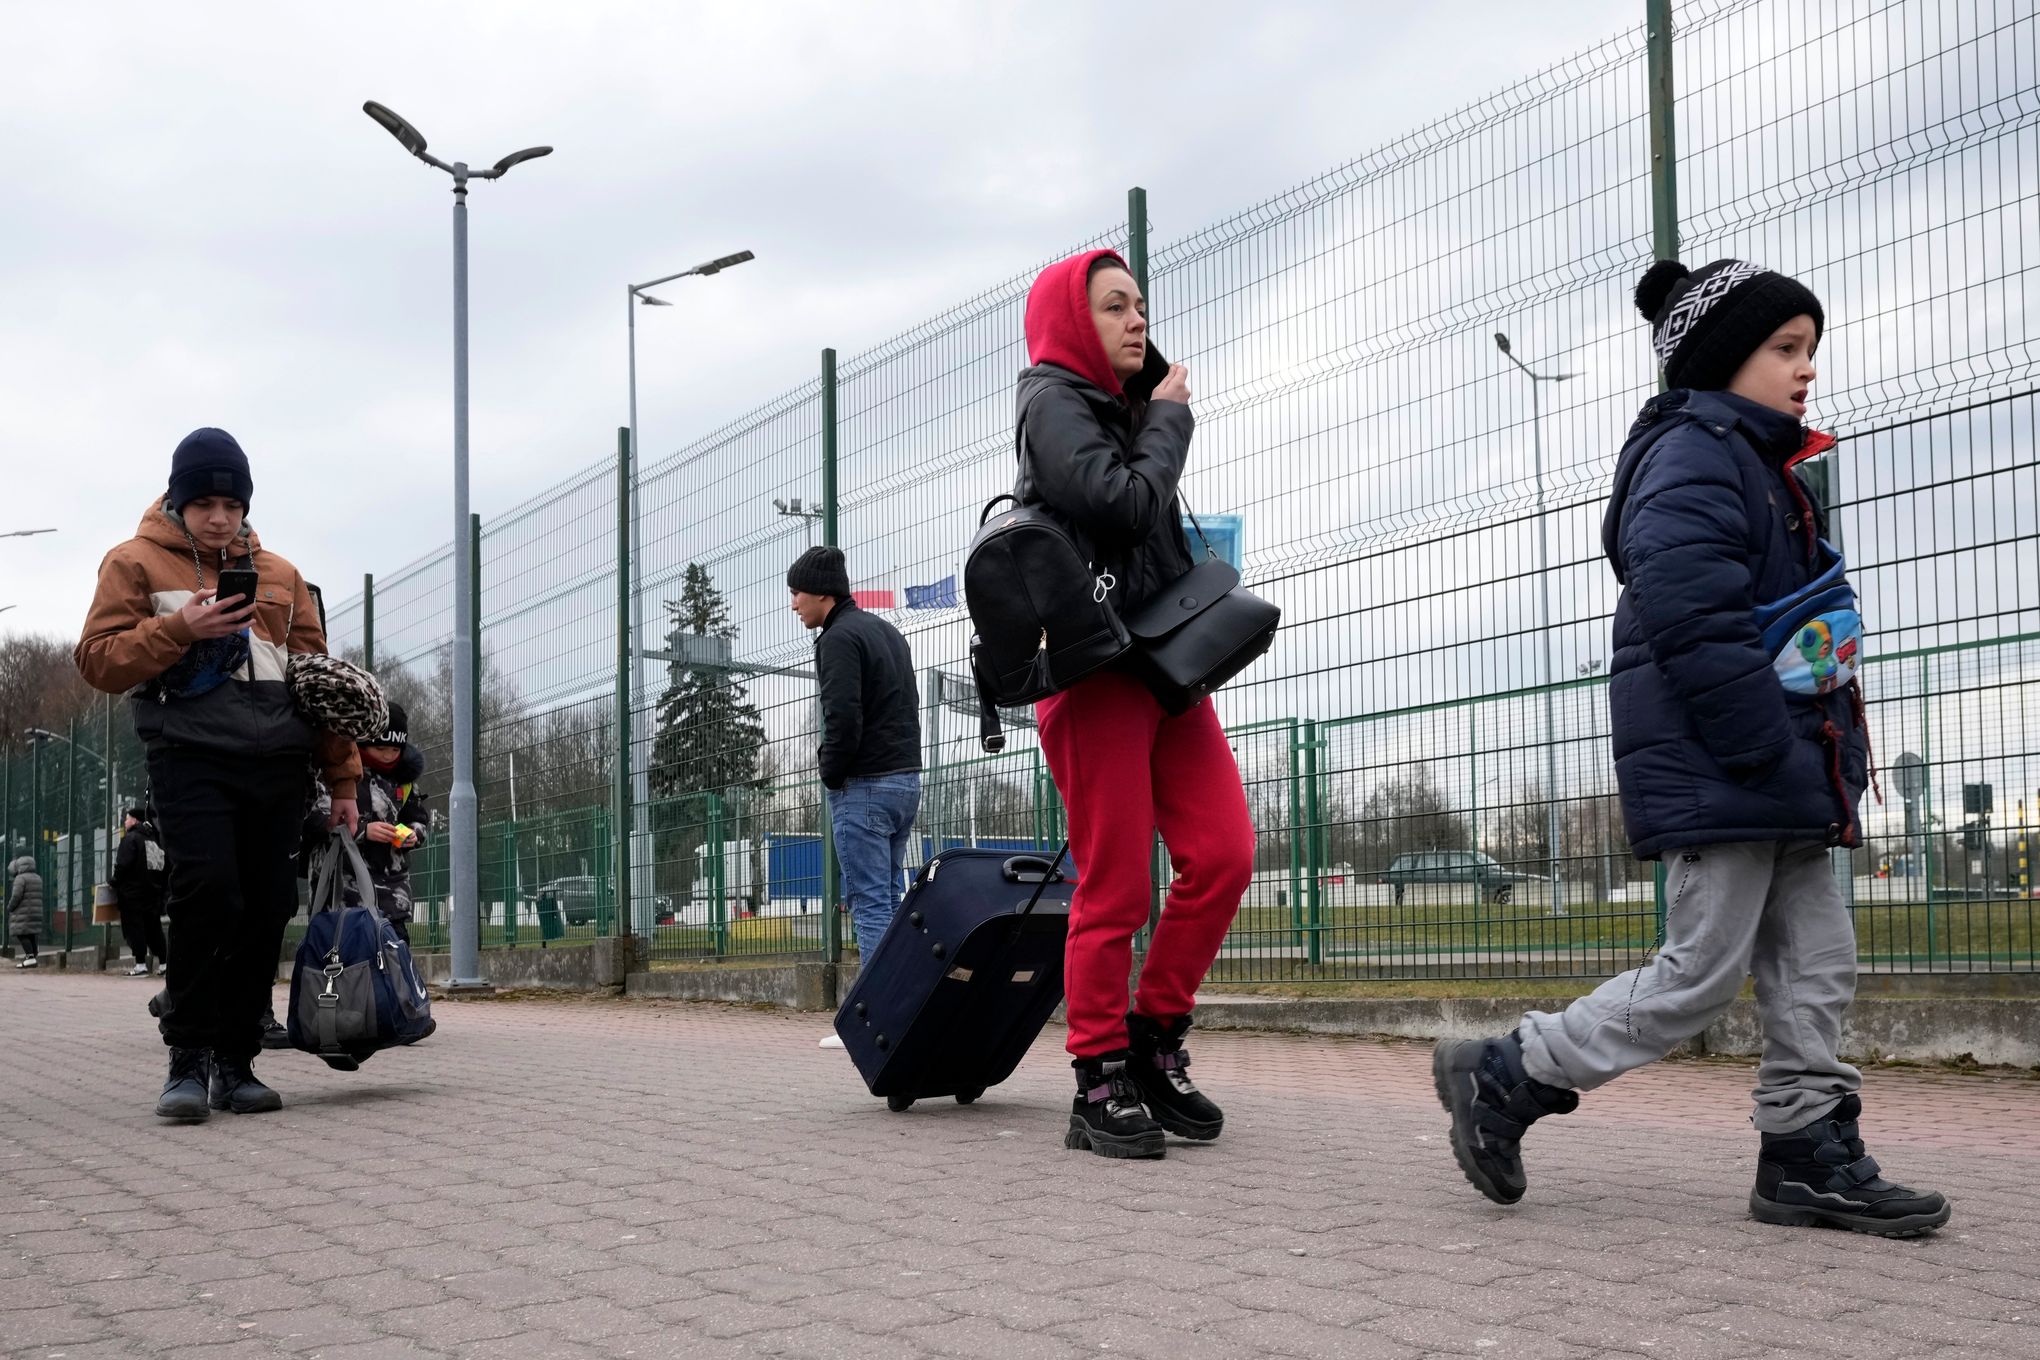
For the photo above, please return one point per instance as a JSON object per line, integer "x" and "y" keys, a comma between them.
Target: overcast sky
{"x": 200, "y": 227}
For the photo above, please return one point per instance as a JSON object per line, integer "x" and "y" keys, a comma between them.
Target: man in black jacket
{"x": 871, "y": 738}
{"x": 139, "y": 872}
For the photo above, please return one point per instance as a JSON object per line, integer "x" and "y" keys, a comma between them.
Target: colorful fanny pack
{"x": 1815, "y": 634}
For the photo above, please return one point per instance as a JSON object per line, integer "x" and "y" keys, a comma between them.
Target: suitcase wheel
{"x": 968, "y": 1097}
{"x": 899, "y": 1104}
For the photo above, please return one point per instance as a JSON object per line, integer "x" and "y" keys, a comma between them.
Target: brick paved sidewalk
{"x": 605, "y": 1179}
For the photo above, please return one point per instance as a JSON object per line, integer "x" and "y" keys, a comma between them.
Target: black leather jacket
{"x": 1107, "y": 468}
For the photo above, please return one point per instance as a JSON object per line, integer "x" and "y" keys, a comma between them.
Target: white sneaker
{"x": 139, "y": 970}
{"x": 833, "y": 1041}
{"x": 161, "y": 967}
{"x": 32, "y": 961}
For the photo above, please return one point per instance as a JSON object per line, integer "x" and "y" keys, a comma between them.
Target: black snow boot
{"x": 274, "y": 1035}
{"x": 1160, "y": 1069}
{"x": 1492, "y": 1101}
{"x": 236, "y": 1087}
{"x": 1107, "y": 1116}
{"x": 1820, "y": 1176}
{"x": 183, "y": 1098}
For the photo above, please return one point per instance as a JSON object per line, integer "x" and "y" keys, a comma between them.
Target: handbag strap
{"x": 1184, "y": 501}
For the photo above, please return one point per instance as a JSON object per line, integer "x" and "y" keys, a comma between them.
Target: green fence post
{"x": 510, "y": 884}
{"x": 1314, "y": 860}
{"x": 832, "y": 923}
{"x": 71, "y": 859}
{"x": 1137, "y": 237}
{"x": 1664, "y": 160}
{"x": 620, "y": 781}
{"x": 1296, "y": 833}
{"x": 112, "y": 819}
{"x": 1927, "y": 796}
{"x": 718, "y": 894}
{"x": 368, "y": 620}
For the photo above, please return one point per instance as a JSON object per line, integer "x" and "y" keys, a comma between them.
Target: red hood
{"x": 1059, "y": 326}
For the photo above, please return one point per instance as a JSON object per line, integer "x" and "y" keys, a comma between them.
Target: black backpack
{"x": 1040, "y": 611}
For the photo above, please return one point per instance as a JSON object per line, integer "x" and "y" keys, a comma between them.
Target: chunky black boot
{"x": 1820, "y": 1176}
{"x": 1161, "y": 1073}
{"x": 235, "y": 1087}
{"x": 183, "y": 1098}
{"x": 274, "y": 1035}
{"x": 1107, "y": 1116}
{"x": 1492, "y": 1101}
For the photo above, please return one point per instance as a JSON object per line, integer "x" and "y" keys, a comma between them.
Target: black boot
{"x": 1161, "y": 1072}
{"x": 1820, "y": 1176}
{"x": 183, "y": 1096}
{"x": 1107, "y": 1116}
{"x": 274, "y": 1036}
{"x": 235, "y": 1087}
{"x": 1492, "y": 1101}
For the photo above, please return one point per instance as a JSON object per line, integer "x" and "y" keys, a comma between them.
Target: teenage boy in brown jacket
{"x": 228, "y": 756}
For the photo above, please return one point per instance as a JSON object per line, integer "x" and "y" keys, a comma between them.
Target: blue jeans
{"x": 872, "y": 818}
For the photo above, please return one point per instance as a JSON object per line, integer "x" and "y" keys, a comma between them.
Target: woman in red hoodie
{"x": 1105, "y": 432}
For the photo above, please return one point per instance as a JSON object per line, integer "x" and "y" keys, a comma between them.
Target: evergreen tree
{"x": 708, "y": 736}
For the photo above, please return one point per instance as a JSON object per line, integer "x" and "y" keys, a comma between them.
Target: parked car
{"x": 575, "y": 895}
{"x": 1495, "y": 883}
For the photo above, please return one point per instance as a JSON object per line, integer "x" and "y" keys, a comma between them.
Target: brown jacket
{"x": 133, "y": 634}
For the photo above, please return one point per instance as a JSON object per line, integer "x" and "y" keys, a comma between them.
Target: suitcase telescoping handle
{"x": 1023, "y": 869}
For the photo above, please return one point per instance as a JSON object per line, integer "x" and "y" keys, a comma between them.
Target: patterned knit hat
{"x": 1706, "y": 322}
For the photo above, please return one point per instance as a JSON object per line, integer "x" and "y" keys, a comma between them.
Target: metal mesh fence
{"x": 1425, "y": 748}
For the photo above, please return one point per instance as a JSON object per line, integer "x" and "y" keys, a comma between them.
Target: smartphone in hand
{"x": 238, "y": 581}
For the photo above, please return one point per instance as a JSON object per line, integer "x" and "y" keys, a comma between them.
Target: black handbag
{"x": 1199, "y": 632}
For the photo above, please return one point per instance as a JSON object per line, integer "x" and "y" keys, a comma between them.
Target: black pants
{"x": 141, "y": 925}
{"x": 27, "y": 943}
{"x": 230, "y": 828}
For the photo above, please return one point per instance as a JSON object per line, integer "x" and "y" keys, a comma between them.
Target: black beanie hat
{"x": 397, "y": 731}
{"x": 209, "y": 463}
{"x": 1706, "y": 322}
{"x": 819, "y": 571}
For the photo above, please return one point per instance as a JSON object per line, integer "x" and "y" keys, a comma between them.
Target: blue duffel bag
{"x": 354, "y": 988}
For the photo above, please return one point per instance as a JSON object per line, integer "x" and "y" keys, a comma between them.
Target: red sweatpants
{"x": 1126, "y": 769}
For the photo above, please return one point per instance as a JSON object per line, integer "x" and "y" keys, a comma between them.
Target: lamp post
{"x": 794, "y": 509}
{"x": 1549, "y": 678}
{"x": 640, "y": 887}
{"x": 25, "y": 533}
{"x": 462, "y": 804}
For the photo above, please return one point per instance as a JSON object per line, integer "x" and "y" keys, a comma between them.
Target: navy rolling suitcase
{"x": 964, "y": 978}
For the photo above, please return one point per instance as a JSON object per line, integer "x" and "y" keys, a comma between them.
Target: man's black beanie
{"x": 209, "y": 463}
{"x": 820, "y": 571}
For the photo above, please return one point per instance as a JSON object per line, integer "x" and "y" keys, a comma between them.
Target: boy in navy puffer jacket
{"x": 1742, "y": 751}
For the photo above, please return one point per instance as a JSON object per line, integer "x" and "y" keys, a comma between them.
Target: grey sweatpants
{"x": 1768, "y": 909}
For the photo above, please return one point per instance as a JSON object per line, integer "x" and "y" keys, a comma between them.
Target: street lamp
{"x": 25, "y": 533}
{"x": 1537, "y": 381}
{"x": 794, "y": 509}
{"x": 44, "y": 734}
{"x": 462, "y": 804}
{"x": 635, "y": 296}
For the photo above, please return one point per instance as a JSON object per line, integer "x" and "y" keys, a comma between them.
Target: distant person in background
{"x": 139, "y": 873}
{"x": 870, "y": 752}
{"x": 25, "y": 909}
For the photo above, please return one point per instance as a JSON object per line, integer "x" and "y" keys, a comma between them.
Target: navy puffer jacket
{"x": 1706, "y": 521}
